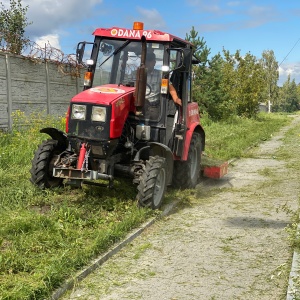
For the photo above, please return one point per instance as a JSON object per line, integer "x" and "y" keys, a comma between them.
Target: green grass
{"x": 226, "y": 140}
{"x": 46, "y": 236}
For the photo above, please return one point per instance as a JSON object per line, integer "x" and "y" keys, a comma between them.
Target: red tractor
{"x": 124, "y": 124}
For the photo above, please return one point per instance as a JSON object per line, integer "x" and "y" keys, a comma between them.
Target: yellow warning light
{"x": 88, "y": 78}
{"x": 138, "y": 25}
{"x": 164, "y": 82}
{"x": 164, "y": 86}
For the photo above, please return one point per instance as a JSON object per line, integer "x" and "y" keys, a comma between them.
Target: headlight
{"x": 98, "y": 114}
{"x": 78, "y": 112}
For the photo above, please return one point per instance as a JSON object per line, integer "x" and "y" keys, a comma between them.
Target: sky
{"x": 251, "y": 26}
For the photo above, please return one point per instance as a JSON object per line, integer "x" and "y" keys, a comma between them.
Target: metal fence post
{"x": 9, "y": 94}
{"x": 48, "y": 88}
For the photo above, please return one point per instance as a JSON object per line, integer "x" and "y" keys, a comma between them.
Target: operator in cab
{"x": 154, "y": 76}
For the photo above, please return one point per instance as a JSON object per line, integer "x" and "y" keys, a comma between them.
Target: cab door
{"x": 180, "y": 76}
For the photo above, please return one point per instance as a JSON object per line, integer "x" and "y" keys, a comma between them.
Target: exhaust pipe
{"x": 141, "y": 79}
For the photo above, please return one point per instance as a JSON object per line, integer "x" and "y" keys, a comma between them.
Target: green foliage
{"x": 232, "y": 84}
{"x": 289, "y": 97}
{"x": 201, "y": 50}
{"x": 211, "y": 91}
{"x": 270, "y": 66}
{"x": 207, "y": 78}
{"x": 13, "y": 22}
{"x": 229, "y": 139}
{"x": 249, "y": 85}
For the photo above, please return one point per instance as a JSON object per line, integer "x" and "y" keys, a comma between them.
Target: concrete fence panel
{"x": 34, "y": 86}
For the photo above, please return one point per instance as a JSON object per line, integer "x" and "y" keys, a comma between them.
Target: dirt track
{"x": 230, "y": 243}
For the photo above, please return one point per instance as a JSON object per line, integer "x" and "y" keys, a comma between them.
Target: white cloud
{"x": 259, "y": 15}
{"x": 246, "y": 14}
{"x": 52, "y": 39}
{"x": 5, "y": 3}
{"x": 214, "y": 7}
{"x": 234, "y": 3}
{"x": 49, "y": 16}
{"x": 292, "y": 69}
{"x": 151, "y": 18}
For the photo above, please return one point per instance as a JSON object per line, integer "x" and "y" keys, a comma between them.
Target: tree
{"x": 288, "y": 97}
{"x": 201, "y": 71}
{"x": 232, "y": 84}
{"x": 244, "y": 82}
{"x": 270, "y": 66}
{"x": 215, "y": 100}
{"x": 13, "y": 22}
{"x": 201, "y": 50}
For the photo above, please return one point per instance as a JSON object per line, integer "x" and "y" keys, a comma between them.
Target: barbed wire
{"x": 66, "y": 63}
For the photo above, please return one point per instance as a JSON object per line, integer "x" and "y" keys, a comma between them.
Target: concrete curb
{"x": 103, "y": 258}
{"x": 292, "y": 291}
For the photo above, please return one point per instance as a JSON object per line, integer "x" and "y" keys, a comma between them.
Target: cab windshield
{"x": 118, "y": 64}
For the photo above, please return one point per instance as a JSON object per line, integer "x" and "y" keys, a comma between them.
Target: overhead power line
{"x": 289, "y": 52}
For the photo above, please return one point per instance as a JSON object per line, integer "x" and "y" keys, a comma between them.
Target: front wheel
{"x": 186, "y": 173}
{"x": 42, "y": 165}
{"x": 153, "y": 182}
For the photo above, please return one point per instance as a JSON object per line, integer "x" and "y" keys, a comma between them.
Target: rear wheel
{"x": 42, "y": 165}
{"x": 186, "y": 173}
{"x": 152, "y": 186}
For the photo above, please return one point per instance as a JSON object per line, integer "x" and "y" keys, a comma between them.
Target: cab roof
{"x": 132, "y": 34}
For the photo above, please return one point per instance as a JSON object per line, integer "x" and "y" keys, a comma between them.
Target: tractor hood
{"x": 104, "y": 94}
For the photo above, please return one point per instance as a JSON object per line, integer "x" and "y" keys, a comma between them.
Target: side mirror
{"x": 183, "y": 59}
{"x": 195, "y": 60}
{"x": 80, "y": 51}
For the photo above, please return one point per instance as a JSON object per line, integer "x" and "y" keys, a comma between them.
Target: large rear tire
{"x": 153, "y": 183}
{"x": 186, "y": 173}
{"x": 42, "y": 165}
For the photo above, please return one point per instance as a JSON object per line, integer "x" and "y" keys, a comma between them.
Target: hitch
{"x": 77, "y": 174}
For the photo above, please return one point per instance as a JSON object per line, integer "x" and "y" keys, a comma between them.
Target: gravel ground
{"x": 229, "y": 242}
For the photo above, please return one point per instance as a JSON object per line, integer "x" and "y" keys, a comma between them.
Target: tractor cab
{"x": 147, "y": 62}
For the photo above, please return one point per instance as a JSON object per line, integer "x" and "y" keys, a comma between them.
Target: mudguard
{"x": 57, "y": 135}
{"x": 161, "y": 150}
{"x": 194, "y": 128}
